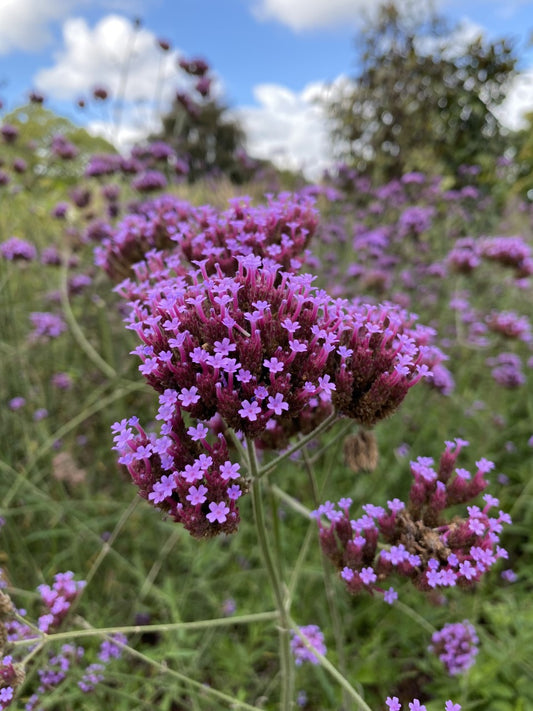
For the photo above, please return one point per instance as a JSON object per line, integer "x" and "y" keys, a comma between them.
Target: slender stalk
{"x": 139, "y": 629}
{"x": 99, "y": 403}
{"x": 328, "y": 587}
{"x": 333, "y": 671}
{"x": 413, "y": 614}
{"x": 294, "y": 504}
{"x": 322, "y": 427}
{"x": 204, "y": 689}
{"x": 107, "y": 546}
{"x": 286, "y": 665}
{"x": 76, "y": 331}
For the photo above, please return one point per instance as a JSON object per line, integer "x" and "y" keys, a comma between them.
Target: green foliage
{"x": 422, "y": 99}
{"x": 523, "y": 185}
{"x": 37, "y": 126}
{"x": 206, "y": 137}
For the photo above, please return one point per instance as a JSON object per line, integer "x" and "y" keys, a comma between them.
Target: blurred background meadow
{"x": 421, "y": 193}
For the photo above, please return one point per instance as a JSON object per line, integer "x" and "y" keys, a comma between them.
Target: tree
{"x": 423, "y": 99}
{"x": 200, "y": 129}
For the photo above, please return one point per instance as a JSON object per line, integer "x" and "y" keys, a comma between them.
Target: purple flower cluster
{"x": 510, "y": 325}
{"x": 46, "y": 325}
{"x": 242, "y": 340}
{"x": 57, "y": 666}
{"x": 279, "y": 231}
{"x": 185, "y": 472}
{"x": 507, "y": 370}
{"x": 456, "y": 646}
{"x": 415, "y": 220}
{"x": 54, "y": 673}
{"x": 511, "y": 252}
{"x": 8, "y": 132}
{"x": 16, "y": 249}
{"x": 313, "y": 635}
{"x": 415, "y": 540}
{"x": 58, "y": 598}
{"x": 263, "y": 343}
{"x": 393, "y": 704}
{"x": 465, "y": 256}
{"x": 149, "y": 181}
{"x": 63, "y": 148}
{"x": 11, "y": 677}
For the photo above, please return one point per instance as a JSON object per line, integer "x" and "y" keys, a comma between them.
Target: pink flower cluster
{"x": 511, "y": 252}
{"x": 415, "y": 540}
{"x": 58, "y": 599}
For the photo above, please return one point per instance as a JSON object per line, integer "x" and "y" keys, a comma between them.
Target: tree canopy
{"x": 424, "y": 97}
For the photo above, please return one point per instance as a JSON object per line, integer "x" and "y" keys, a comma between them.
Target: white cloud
{"x": 24, "y": 24}
{"x": 310, "y": 14}
{"x": 307, "y": 14}
{"x": 126, "y": 60}
{"x": 518, "y": 102}
{"x": 290, "y": 128}
{"x": 111, "y": 54}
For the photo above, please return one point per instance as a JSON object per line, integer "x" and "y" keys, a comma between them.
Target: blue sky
{"x": 271, "y": 57}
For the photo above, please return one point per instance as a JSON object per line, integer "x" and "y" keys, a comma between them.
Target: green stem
{"x": 202, "y": 688}
{"x": 286, "y": 665}
{"x": 99, "y": 403}
{"x": 139, "y": 629}
{"x": 298, "y": 445}
{"x": 293, "y": 503}
{"x": 414, "y": 616}
{"x": 78, "y": 334}
{"x": 328, "y": 587}
{"x": 332, "y": 671}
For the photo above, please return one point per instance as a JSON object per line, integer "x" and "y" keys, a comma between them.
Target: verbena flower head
{"x": 456, "y": 645}
{"x": 46, "y": 326}
{"x": 414, "y": 539}
{"x": 251, "y": 348}
{"x": 58, "y": 599}
{"x": 511, "y": 252}
{"x": 16, "y": 249}
{"x": 510, "y": 325}
{"x": 380, "y": 354}
{"x": 11, "y": 677}
{"x": 507, "y": 370}
{"x": 279, "y": 231}
{"x": 185, "y": 472}
{"x": 313, "y": 634}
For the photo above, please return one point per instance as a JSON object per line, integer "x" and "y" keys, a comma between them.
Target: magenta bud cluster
{"x": 415, "y": 539}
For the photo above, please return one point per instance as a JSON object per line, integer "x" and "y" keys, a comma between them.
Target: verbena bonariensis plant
{"x": 241, "y": 352}
{"x": 254, "y": 350}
